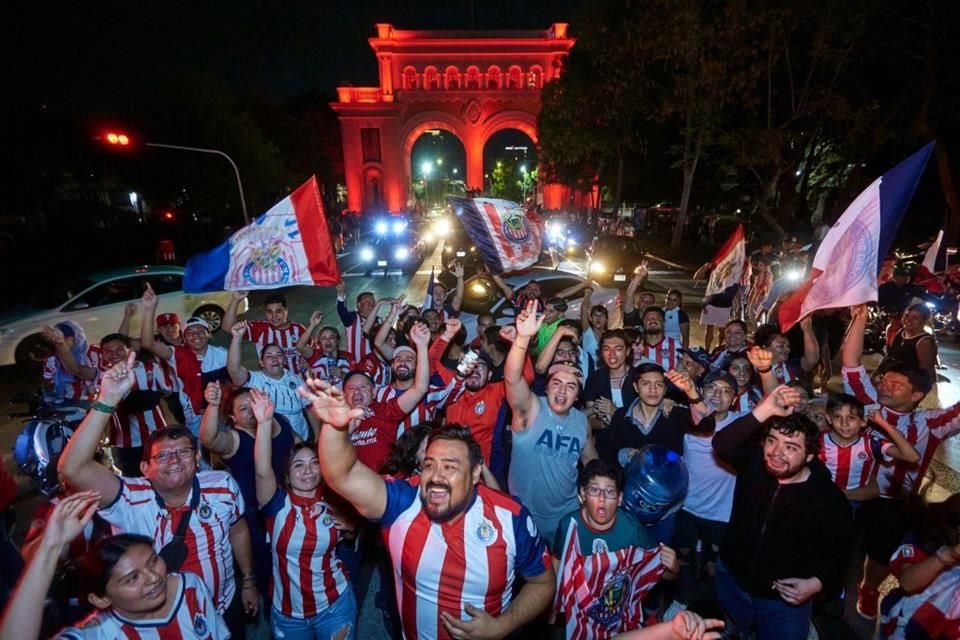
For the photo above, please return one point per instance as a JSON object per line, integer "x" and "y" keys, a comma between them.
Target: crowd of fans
{"x": 483, "y": 478}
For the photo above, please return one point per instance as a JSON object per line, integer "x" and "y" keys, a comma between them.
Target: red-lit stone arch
{"x": 494, "y": 77}
{"x": 411, "y": 80}
{"x": 472, "y": 80}
{"x": 431, "y": 78}
{"x": 451, "y": 78}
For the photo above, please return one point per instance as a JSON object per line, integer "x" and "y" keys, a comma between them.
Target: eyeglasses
{"x": 566, "y": 352}
{"x": 172, "y": 455}
{"x": 610, "y": 493}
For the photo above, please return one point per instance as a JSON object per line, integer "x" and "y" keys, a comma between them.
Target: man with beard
{"x": 276, "y": 329}
{"x": 654, "y": 346}
{"x": 279, "y": 383}
{"x": 376, "y": 430}
{"x": 550, "y": 437}
{"x": 456, "y": 545}
{"x": 790, "y": 532}
{"x": 195, "y": 363}
{"x": 172, "y": 488}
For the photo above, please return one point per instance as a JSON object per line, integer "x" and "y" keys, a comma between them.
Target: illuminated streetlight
{"x": 426, "y": 168}
{"x": 440, "y": 161}
{"x": 454, "y": 171}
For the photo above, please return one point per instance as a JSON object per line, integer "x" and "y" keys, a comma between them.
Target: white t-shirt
{"x": 710, "y": 492}
{"x": 286, "y": 400}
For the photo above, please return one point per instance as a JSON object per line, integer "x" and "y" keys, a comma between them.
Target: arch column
{"x": 473, "y": 145}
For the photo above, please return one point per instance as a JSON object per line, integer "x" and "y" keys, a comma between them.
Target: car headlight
{"x": 428, "y": 237}
{"x": 401, "y": 253}
{"x": 597, "y": 267}
{"x": 794, "y": 275}
{"x": 380, "y": 227}
{"x": 398, "y": 226}
{"x": 441, "y": 227}
{"x": 366, "y": 254}
{"x": 556, "y": 231}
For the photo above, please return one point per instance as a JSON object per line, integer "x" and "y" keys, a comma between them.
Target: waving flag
{"x": 846, "y": 266}
{"x": 288, "y": 245}
{"x": 935, "y": 260}
{"x": 428, "y": 303}
{"x": 727, "y": 268}
{"x": 506, "y": 239}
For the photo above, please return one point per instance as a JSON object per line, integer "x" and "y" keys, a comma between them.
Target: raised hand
{"x": 240, "y": 295}
{"x": 527, "y": 321}
{"x": 212, "y": 394}
{"x": 508, "y": 333}
{"x": 130, "y": 310}
{"x": 149, "y": 299}
{"x": 261, "y": 405}
{"x": 760, "y": 358}
{"x": 316, "y": 318}
{"x": 682, "y": 380}
{"x": 116, "y": 383}
{"x": 420, "y": 335}
{"x": 69, "y": 518}
{"x": 53, "y": 335}
{"x": 458, "y": 270}
{"x": 328, "y": 404}
{"x": 341, "y": 288}
{"x": 566, "y": 331}
{"x": 239, "y": 330}
{"x": 452, "y": 327}
{"x": 782, "y": 401}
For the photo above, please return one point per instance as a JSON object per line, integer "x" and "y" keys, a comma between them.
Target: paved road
{"x": 304, "y": 300}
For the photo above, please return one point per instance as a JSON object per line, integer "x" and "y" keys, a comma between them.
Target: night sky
{"x": 93, "y": 54}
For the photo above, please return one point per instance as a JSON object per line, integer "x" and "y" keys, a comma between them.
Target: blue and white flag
{"x": 288, "y": 245}
{"x": 503, "y": 234}
{"x": 845, "y": 269}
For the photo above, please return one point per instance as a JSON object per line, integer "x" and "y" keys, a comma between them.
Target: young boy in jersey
{"x": 608, "y": 547}
{"x": 851, "y": 455}
{"x": 276, "y": 329}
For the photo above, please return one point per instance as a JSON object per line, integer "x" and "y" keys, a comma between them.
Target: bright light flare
{"x": 366, "y": 254}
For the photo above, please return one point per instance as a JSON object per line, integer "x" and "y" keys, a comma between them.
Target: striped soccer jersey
{"x": 664, "y": 353}
{"x": 139, "y": 509}
{"x": 308, "y": 576}
{"x": 925, "y": 429}
{"x": 131, "y": 425}
{"x": 263, "y": 333}
{"x": 193, "y": 617}
{"x": 441, "y": 567}
{"x": 852, "y": 466}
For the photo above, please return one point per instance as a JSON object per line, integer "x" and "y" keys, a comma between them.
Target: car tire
{"x": 32, "y": 351}
{"x": 212, "y": 314}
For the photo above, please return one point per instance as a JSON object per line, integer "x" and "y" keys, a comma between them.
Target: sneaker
{"x": 867, "y": 599}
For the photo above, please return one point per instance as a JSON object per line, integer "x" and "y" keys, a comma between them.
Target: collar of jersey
{"x": 158, "y": 622}
{"x": 194, "y": 496}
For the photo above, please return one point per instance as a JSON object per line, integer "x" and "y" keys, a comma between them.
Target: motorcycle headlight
{"x": 366, "y": 254}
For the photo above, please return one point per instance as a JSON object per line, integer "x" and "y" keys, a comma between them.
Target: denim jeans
{"x": 694, "y": 582}
{"x": 773, "y": 618}
{"x": 322, "y": 626}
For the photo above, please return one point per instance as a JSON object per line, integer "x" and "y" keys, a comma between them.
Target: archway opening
{"x": 510, "y": 166}
{"x": 437, "y": 169}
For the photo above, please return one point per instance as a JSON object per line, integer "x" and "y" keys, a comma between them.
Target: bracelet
{"x": 519, "y": 347}
{"x": 767, "y": 370}
{"x": 696, "y": 400}
{"x": 102, "y": 407}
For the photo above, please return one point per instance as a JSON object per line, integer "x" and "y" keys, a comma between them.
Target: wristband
{"x": 696, "y": 400}
{"x": 102, "y": 407}
{"x": 766, "y": 370}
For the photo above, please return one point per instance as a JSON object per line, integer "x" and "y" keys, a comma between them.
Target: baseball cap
{"x": 565, "y": 367}
{"x": 168, "y": 318}
{"x": 402, "y": 348}
{"x": 699, "y": 355}
{"x": 197, "y": 322}
{"x": 722, "y": 376}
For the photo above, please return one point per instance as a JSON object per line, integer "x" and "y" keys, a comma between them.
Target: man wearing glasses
{"x": 170, "y": 490}
{"x": 606, "y": 560}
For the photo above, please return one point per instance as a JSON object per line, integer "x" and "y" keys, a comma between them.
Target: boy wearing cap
{"x": 276, "y": 329}
{"x": 195, "y": 362}
{"x": 438, "y": 301}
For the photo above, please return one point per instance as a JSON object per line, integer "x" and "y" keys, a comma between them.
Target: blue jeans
{"x": 322, "y": 626}
{"x": 773, "y": 618}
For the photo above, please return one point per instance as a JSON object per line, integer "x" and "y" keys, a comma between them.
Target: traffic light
{"x": 116, "y": 139}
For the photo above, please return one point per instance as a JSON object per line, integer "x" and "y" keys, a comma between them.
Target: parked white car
{"x": 96, "y": 302}
{"x": 482, "y": 295}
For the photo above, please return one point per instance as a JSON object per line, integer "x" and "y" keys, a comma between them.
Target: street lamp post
{"x": 236, "y": 171}
{"x": 523, "y": 183}
{"x": 426, "y": 168}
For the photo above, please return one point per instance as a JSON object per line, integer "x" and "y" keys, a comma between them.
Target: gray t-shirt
{"x": 543, "y": 466}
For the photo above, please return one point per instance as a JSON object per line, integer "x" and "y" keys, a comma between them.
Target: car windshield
{"x": 58, "y": 295}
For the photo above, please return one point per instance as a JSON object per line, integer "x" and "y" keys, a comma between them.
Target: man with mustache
{"x": 436, "y": 530}
{"x": 655, "y": 346}
{"x": 790, "y": 531}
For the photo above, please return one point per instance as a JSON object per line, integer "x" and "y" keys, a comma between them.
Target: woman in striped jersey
{"x": 311, "y": 595}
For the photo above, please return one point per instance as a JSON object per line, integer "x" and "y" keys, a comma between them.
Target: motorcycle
{"x": 45, "y": 434}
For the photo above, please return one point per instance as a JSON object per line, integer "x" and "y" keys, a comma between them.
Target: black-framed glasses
{"x": 610, "y": 493}
{"x": 172, "y": 455}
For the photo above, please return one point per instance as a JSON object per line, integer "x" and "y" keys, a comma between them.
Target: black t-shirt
{"x": 622, "y": 433}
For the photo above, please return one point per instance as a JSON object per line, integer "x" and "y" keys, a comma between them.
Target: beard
{"x": 652, "y": 332}
{"x": 451, "y": 511}
{"x": 403, "y": 374}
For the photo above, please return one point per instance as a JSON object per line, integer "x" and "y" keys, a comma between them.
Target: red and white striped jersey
{"x": 664, "y": 353}
{"x": 307, "y": 574}
{"x": 131, "y": 424}
{"x": 933, "y": 612}
{"x": 602, "y": 592}
{"x": 441, "y": 567}
{"x": 852, "y": 466}
{"x": 193, "y": 615}
{"x": 263, "y": 333}
{"x": 71, "y": 388}
{"x": 357, "y": 341}
{"x": 925, "y": 429}
{"x": 376, "y": 367}
{"x": 139, "y": 509}
{"x": 787, "y": 372}
{"x": 428, "y": 408}
{"x": 329, "y": 368}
